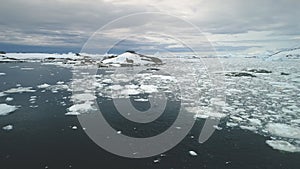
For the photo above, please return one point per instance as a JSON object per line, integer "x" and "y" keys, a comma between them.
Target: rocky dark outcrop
{"x": 2, "y": 52}
{"x": 153, "y": 69}
{"x": 239, "y": 74}
{"x": 259, "y": 71}
{"x": 282, "y": 73}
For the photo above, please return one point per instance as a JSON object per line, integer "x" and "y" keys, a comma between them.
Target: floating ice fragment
{"x": 77, "y": 109}
{"x": 283, "y": 145}
{"x": 20, "y": 90}
{"x": 60, "y": 82}
{"x": 251, "y": 128}
{"x": 141, "y": 100}
{"x": 43, "y": 86}
{"x": 6, "y": 109}
{"x": 156, "y": 160}
{"x": 8, "y": 127}
{"x": 283, "y": 130}
{"x": 8, "y": 99}
{"x": 256, "y": 122}
{"x": 230, "y": 124}
{"x": 27, "y": 68}
{"x": 83, "y": 97}
{"x": 217, "y": 127}
{"x": 2, "y": 94}
{"x": 149, "y": 88}
{"x": 192, "y": 153}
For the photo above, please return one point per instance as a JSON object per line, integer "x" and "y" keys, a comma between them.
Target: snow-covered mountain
{"x": 131, "y": 58}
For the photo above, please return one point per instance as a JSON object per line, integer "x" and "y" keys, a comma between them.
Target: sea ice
{"x": 77, "y": 109}
{"x": 83, "y": 97}
{"x": 251, "y": 128}
{"x": 141, "y": 100}
{"x": 20, "y": 90}
{"x": 283, "y": 130}
{"x": 283, "y": 145}
{"x": 192, "y": 153}
{"x": 2, "y": 74}
{"x": 43, "y": 86}
{"x": 2, "y": 94}
{"x": 6, "y": 109}
{"x": 149, "y": 88}
{"x": 8, "y": 127}
{"x": 8, "y": 99}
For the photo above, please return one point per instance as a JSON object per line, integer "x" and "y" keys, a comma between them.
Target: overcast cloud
{"x": 232, "y": 26}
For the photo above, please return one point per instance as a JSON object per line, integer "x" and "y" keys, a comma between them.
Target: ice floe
{"x": 192, "y": 153}
{"x": 8, "y": 127}
{"x": 283, "y": 145}
{"x": 6, "y": 109}
{"x": 8, "y": 99}
{"x": 283, "y": 130}
{"x": 20, "y": 90}
{"x": 2, "y": 94}
{"x": 43, "y": 86}
{"x": 80, "y": 108}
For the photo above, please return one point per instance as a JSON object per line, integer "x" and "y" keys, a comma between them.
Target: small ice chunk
{"x": 129, "y": 92}
{"x": 43, "y": 86}
{"x": 296, "y": 121}
{"x": 74, "y": 127}
{"x": 72, "y": 114}
{"x": 251, "y": 128}
{"x": 77, "y": 109}
{"x": 60, "y": 82}
{"x": 149, "y": 88}
{"x": 115, "y": 87}
{"x": 107, "y": 81}
{"x": 8, "y": 99}
{"x": 156, "y": 160}
{"x": 235, "y": 118}
{"x": 119, "y": 132}
{"x": 8, "y": 127}
{"x": 6, "y": 109}
{"x": 230, "y": 124}
{"x": 192, "y": 153}
{"x": 283, "y": 145}
{"x": 255, "y": 122}
{"x": 217, "y": 127}
{"x": 27, "y": 68}
{"x": 83, "y": 97}
{"x": 141, "y": 100}
{"x": 2, "y": 74}
{"x": 2, "y": 94}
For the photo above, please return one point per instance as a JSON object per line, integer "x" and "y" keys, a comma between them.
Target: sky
{"x": 231, "y": 27}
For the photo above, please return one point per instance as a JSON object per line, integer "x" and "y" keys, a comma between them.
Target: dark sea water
{"x": 43, "y": 137}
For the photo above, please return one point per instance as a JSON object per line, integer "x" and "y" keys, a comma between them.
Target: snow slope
{"x": 131, "y": 58}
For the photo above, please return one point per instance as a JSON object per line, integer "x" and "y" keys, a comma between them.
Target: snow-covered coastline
{"x": 128, "y": 58}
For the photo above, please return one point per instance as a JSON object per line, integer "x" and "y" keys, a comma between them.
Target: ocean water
{"x": 43, "y": 136}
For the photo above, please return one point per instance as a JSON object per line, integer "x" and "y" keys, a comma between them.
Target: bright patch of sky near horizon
{"x": 235, "y": 27}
